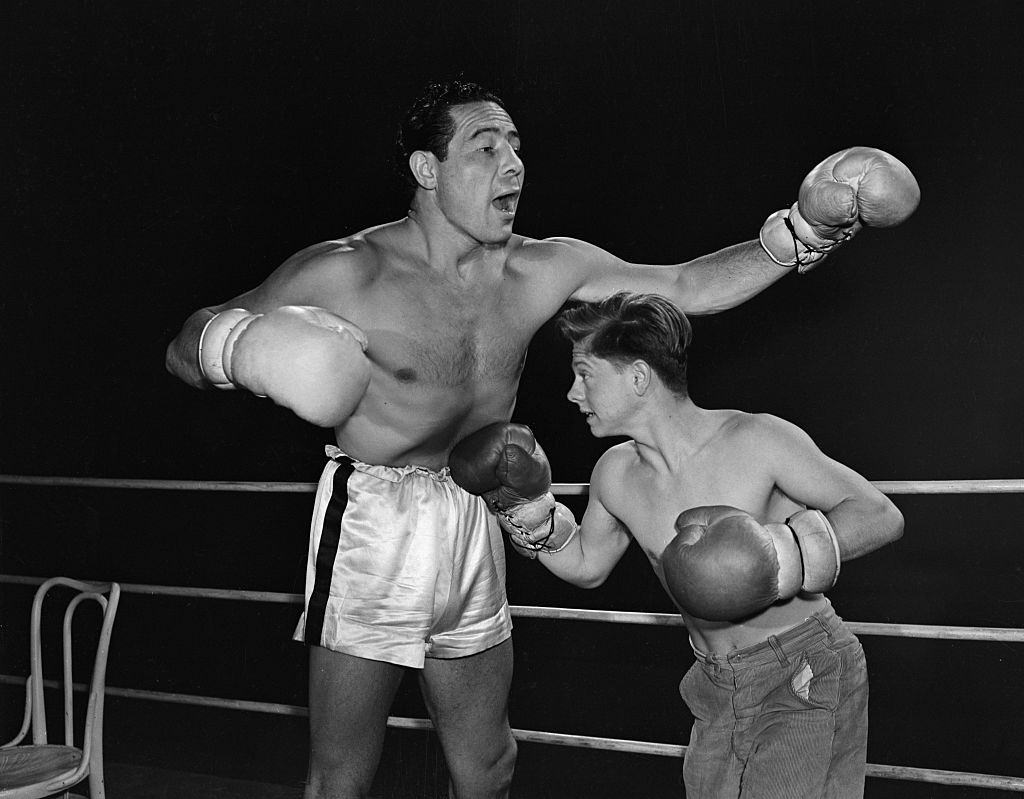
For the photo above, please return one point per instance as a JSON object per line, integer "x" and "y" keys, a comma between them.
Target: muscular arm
{"x": 864, "y": 519}
{"x": 602, "y": 540}
{"x": 705, "y": 285}
{"x": 854, "y": 188}
{"x": 298, "y": 281}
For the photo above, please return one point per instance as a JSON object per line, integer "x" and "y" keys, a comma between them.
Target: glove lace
{"x": 541, "y": 544}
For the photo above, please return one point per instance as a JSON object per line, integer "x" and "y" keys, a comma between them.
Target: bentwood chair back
{"x": 40, "y": 768}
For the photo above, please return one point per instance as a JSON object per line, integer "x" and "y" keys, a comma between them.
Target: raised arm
{"x": 857, "y": 187}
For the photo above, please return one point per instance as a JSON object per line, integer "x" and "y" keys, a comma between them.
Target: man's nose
{"x": 574, "y": 394}
{"x": 513, "y": 163}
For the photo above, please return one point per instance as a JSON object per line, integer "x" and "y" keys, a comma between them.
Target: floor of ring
{"x": 145, "y": 782}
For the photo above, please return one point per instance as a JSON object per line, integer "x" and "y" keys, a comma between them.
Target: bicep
{"x": 322, "y": 275}
{"x": 807, "y": 475}
{"x": 603, "y": 536}
{"x": 598, "y": 273}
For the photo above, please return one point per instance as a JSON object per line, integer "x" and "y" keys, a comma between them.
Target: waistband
{"x": 776, "y": 648}
{"x": 392, "y": 473}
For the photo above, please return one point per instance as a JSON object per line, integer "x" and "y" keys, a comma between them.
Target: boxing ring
{"x": 554, "y": 614}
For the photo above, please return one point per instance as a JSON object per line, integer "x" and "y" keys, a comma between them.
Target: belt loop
{"x": 773, "y": 642}
{"x": 821, "y": 623}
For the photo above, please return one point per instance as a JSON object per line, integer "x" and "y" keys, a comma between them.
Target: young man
{"x": 745, "y": 522}
{"x": 404, "y": 338}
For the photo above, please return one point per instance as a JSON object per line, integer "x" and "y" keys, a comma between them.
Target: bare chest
{"x": 650, "y": 503}
{"x": 438, "y": 335}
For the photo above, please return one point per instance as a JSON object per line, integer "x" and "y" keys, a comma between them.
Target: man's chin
{"x": 497, "y": 239}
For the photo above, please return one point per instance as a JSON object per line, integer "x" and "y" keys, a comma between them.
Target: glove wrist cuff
{"x": 819, "y": 549}
{"x": 212, "y": 342}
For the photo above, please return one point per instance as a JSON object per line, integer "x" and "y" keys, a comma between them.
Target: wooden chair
{"x": 40, "y": 769}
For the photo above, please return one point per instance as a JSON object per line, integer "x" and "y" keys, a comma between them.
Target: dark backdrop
{"x": 164, "y": 156}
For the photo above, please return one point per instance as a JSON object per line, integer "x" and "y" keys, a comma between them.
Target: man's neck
{"x": 442, "y": 246}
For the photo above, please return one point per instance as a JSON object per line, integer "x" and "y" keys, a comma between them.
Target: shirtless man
{"x": 745, "y": 522}
{"x": 404, "y": 338}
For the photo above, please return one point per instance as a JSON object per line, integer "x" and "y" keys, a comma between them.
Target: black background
{"x": 164, "y": 156}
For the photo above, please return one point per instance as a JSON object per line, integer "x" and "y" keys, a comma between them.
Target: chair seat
{"x": 27, "y": 765}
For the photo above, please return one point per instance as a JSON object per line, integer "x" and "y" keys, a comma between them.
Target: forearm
{"x": 572, "y": 565}
{"x": 724, "y": 279}
{"x": 182, "y": 356}
{"x": 862, "y": 525}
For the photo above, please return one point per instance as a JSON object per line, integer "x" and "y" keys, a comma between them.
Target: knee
{"x": 329, "y": 780}
{"x": 505, "y": 763}
{"x": 485, "y": 776}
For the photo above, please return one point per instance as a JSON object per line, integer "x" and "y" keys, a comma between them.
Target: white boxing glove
{"x": 304, "y": 358}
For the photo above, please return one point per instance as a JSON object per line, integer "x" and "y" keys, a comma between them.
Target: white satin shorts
{"x": 403, "y": 565}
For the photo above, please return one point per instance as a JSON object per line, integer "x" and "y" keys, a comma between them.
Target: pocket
{"x": 815, "y": 680}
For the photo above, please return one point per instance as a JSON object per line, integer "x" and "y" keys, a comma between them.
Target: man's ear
{"x": 641, "y": 374}
{"x": 424, "y": 168}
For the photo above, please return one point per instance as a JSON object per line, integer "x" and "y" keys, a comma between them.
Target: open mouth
{"x": 506, "y": 203}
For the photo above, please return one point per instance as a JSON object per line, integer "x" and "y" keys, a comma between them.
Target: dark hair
{"x": 626, "y": 327}
{"x": 429, "y": 126}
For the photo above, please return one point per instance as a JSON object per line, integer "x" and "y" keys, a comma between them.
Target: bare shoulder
{"x": 353, "y": 259}
{"x": 611, "y": 474}
{"x": 325, "y": 272}
{"x": 765, "y": 431}
{"x": 567, "y": 253}
{"x": 566, "y": 260}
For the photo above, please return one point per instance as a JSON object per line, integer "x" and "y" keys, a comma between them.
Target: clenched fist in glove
{"x": 853, "y": 188}
{"x": 504, "y": 464}
{"x": 304, "y": 358}
{"x": 724, "y": 565}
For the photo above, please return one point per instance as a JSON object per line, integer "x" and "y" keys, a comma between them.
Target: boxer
{"x": 745, "y": 521}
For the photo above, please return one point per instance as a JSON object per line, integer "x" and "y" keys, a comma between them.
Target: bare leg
{"x": 467, "y": 699}
{"x": 349, "y": 700}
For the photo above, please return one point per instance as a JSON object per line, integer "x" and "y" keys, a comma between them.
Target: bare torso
{"x": 447, "y": 347}
{"x": 726, "y": 471}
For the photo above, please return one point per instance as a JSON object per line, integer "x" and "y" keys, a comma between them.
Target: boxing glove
{"x": 504, "y": 464}
{"x": 724, "y": 565}
{"x": 857, "y": 187}
{"x": 304, "y": 358}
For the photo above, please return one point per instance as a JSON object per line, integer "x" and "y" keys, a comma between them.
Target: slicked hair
{"x": 429, "y": 126}
{"x": 626, "y": 327}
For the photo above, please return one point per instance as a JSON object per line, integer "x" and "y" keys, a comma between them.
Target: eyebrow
{"x": 512, "y": 134}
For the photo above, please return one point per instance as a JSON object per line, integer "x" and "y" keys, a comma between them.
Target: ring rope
{"x": 933, "y": 631}
{"x": 911, "y": 773}
{"x": 999, "y": 486}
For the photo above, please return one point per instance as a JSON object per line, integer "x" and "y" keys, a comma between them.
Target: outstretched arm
{"x": 854, "y": 188}
{"x": 600, "y": 543}
{"x": 705, "y": 285}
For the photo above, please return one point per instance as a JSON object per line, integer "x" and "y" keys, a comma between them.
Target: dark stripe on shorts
{"x": 330, "y": 536}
